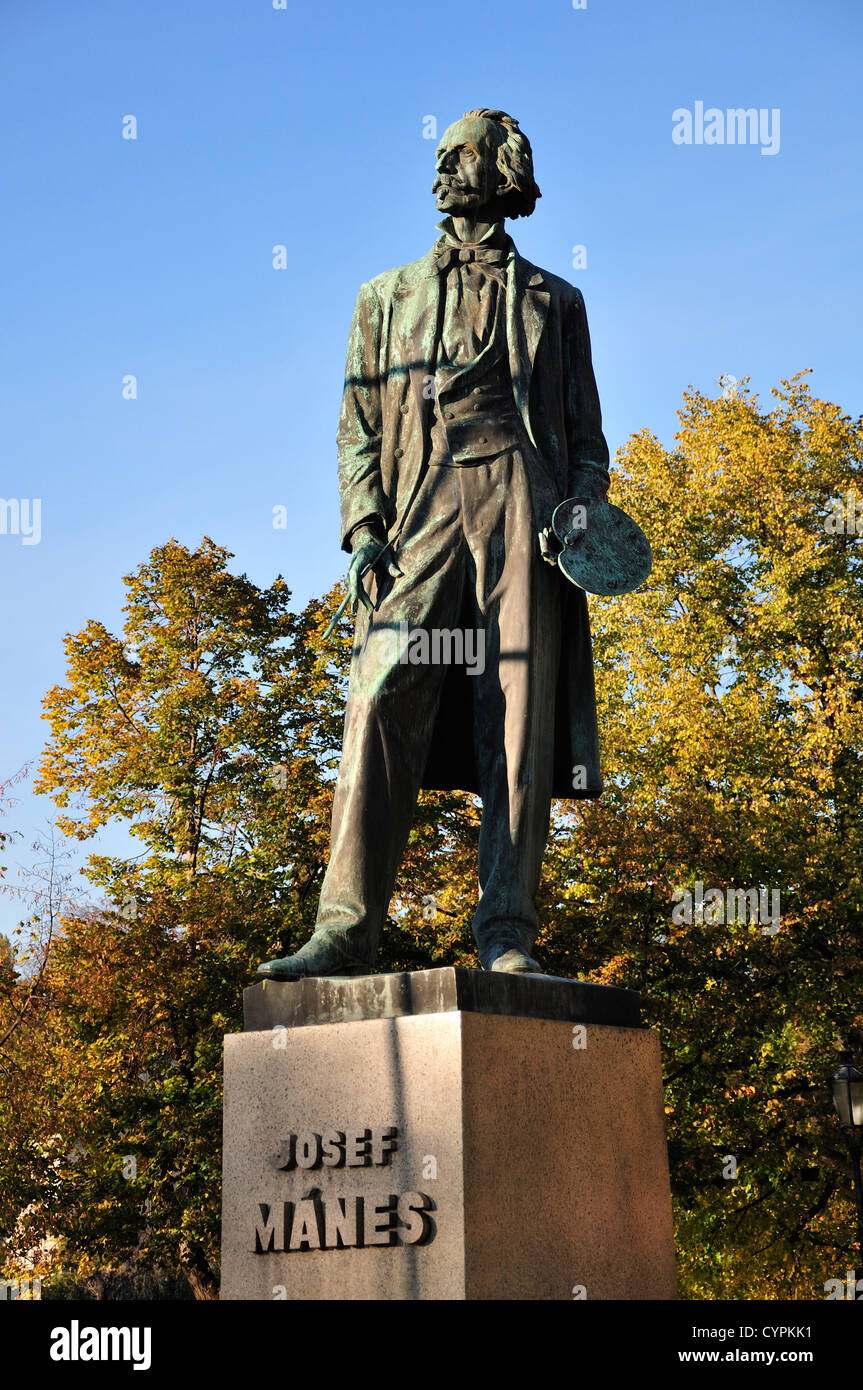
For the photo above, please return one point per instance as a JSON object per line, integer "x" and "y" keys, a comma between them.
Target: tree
{"x": 202, "y": 728}
{"x": 729, "y": 692}
{"x": 212, "y": 728}
{"x": 730, "y": 707}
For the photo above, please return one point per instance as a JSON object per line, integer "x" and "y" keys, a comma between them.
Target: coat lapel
{"x": 417, "y": 305}
{"x": 526, "y": 314}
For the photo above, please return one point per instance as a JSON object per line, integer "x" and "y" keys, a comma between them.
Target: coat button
{"x": 477, "y": 390}
{"x": 478, "y": 405}
{"x": 404, "y": 409}
{"x": 399, "y": 453}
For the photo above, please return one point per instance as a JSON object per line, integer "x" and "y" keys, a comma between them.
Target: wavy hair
{"x": 514, "y": 159}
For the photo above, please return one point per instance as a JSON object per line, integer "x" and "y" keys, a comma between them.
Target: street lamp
{"x": 847, "y": 1088}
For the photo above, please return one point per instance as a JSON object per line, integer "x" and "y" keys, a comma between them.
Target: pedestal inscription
{"x": 339, "y": 1223}
{"x": 451, "y": 1155}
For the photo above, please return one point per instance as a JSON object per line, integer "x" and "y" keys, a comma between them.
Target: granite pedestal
{"x": 444, "y": 1134}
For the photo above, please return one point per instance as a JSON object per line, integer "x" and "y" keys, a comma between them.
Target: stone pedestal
{"x": 444, "y": 1134}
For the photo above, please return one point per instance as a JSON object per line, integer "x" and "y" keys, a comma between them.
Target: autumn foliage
{"x": 730, "y": 693}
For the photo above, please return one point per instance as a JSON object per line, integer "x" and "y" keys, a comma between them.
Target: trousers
{"x": 470, "y": 557}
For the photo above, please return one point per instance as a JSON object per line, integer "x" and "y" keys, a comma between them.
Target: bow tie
{"x": 453, "y": 255}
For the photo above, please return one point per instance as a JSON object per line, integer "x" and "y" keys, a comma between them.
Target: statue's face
{"x": 467, "y": 175}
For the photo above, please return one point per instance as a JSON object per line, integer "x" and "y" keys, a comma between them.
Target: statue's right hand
{"x": 366, "y": 545}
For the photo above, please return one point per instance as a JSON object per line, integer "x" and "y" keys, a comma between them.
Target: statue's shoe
{"x": 515, "y": 962}
{"x": 315, "y": 959}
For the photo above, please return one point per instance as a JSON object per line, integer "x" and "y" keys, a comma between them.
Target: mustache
{"x": 453, "y": 185}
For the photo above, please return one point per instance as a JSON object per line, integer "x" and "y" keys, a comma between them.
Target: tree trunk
{"x": 198, "y": 1272}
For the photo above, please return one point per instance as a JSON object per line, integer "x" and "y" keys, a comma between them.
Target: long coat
{"x": 384, "y": 443}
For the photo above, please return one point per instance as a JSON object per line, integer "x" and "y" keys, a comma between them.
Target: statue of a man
{"x": 470, "y": 411}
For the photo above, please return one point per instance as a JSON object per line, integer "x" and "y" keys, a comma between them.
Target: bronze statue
{"x": 470, "y": 414}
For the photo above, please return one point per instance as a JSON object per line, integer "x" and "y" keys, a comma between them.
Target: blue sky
{"x": 304, "y": 127}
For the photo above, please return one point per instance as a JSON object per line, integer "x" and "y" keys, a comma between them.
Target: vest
{"x": 475, "y": 416}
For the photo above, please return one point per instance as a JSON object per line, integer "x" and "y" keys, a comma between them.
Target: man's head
{"x": 485, "y": 168}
